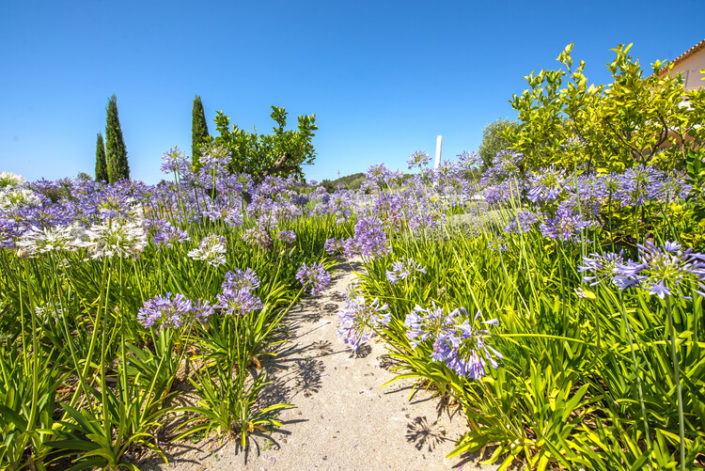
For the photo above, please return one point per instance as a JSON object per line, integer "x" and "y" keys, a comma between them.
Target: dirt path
{"x": 343, "y": 419}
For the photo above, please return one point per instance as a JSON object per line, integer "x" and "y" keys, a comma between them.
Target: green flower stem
{"x": 94, "y": 335}
{"x": 637, "y": 369}
{"x": 677, "y": 378}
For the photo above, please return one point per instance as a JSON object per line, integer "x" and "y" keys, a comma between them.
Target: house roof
{"x": 689, "y": 52}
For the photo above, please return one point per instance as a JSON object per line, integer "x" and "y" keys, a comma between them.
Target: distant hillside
{"x": 351, "y": 182}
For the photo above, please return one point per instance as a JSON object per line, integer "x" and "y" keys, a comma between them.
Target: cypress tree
{"x": 199, "y": 131}
{"x": 101, "y": 167}
{"x": 116, "y": 154}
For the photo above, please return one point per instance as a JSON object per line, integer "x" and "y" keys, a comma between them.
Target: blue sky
{"x": 383, "y": 77}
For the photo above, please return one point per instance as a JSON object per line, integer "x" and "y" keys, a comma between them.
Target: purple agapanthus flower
{"x": 546, "y": 186}
{"x": 236, "y": 297}
{"x": 422, "y": 324}
{"x": 314, "y": 278}
{"x": 167, "y": 311}
{"x": 667, "y": 270}
{"x": 404, "y": 269}
{"x": 241, "y": 279}
{"x": 334, "y": 246}
{"x": 237, "y": 302}
{"x": 175, "y": 161}
{"x": 257, "y": 237}
{"x": 523, "y": 221}
{"x": 288, "y": 237}
{"x": 418, "y": 159}
{"x": 358, "y": 317}
{"x": 566, "y": 226}
{"x": 456, "y": 343}
{"x": 662, "y": 271}
{"x": 370, "y": 239}
{"x": 608, "y": 267}
{"x": 168, "y": 235}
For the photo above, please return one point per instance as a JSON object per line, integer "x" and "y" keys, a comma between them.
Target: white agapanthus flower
{"x": 47, "y": 313}
{"x": 37, "y": 241}
{"x": 116, "y": 237}
{"x": 211, "y": 250}
{"x": 9, "y": 180}
{"x": 14, "y": 197}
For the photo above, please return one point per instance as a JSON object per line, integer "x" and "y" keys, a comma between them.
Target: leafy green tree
{"x": 199, "y": 131}
{"x": 636, "y": 119}
{"x": 494, "y": 140}
{"x": 116, "y": 154}
{"x": 101, "y": 166}
{"x": 281, "y": 153}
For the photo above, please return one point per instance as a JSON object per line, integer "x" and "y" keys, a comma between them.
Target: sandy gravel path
{"x": 343, "y": 419}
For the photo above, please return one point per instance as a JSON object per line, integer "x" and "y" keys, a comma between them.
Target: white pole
{"x": 439, "y": 145}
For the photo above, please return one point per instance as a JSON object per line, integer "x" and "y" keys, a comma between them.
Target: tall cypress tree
{"x": 116, "y": 157}
{"x": 101, "y": 167}
{"x": 199, "y": 131}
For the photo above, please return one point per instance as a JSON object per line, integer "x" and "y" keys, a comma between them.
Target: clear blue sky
{"x": 383, "y": 77}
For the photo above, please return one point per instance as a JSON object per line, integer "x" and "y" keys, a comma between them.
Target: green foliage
{"x": 636, "y": 119}
{"x": 351, "y": 182}
{"x": 27, "y": 401}
{"x": 281, "y": 153}
{"x": 576, "y": 369}
{"x": 116, "y": 153}
{"x": 83, "y": 384}
{"x": 199, "y": 131}
{"x": 101, "y": 166}
{"x": 493, "y": 140}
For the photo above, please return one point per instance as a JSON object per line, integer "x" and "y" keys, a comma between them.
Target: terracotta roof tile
{"x": 689, "y": 52}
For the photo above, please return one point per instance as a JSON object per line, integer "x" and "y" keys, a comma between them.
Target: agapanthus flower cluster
{"x": 49, "y": 313}
{"x": 522, "y": 221}
{"x": 406, "y": 268}
{"x": 379, "y": 176}
{"x": 456, "y": 342}
{"x": 668, "y": 270}
{"x": 175, "y": 161}
{"x": 314, "y": 278}
{"x": 546, "y": 185}
{"x": 9, "y": 230}
{"x": 469, "y": 160}
{"x": 237, "y": 297}
{"x": 14, "y": 198}
{"x": 358, "y": 318}
{"x": 211, "y": 250}
{"x": 334, "y": 246}
{"x": 257, "y": 237}
{"x": 422, "y": 324}
{"x": 172, "y": 311}
{"x": 639, "y": 185}
{"x": 214, "y": 158}
{"x": 341, "y": 204}
{"x": 464, "y": 349}
{"x": 37, "y": 241}
{"x": 502, "y": 192}
{"x": 663, "y": 271}
{"x": 116, "y": 237}
{"x": 506, "y": 164}
{"x": 10, "y": 180}
{"x": 606, "y": 268}
{"x": 167, "y": 235}
{"x": 288, "y": 237}
{"x": 566, "y": 226}
{"x": 418, "y": 159}
{"x": 370, "y": 239}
